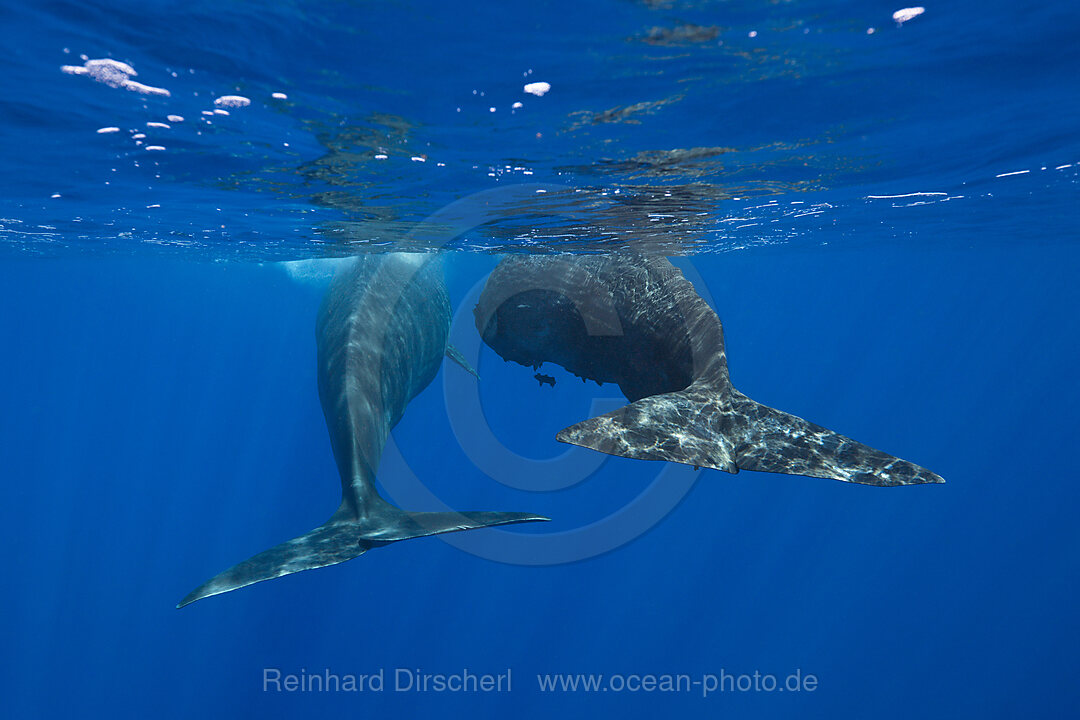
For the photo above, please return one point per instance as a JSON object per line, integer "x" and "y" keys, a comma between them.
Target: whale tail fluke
{"x": 780, "y": 442}
{"x": 329, "y": 544}
{"x": 342, "y": 538}
{"x": 729, "y": 432}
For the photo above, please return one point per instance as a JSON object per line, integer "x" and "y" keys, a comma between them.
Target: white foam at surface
{"x": 903, "y": 195}
{"x": 232, "y": 101}
{"x": 107, "y": 130}
{"x": 174, "y": 118}
{"x": 114, "y": 74}
{"x": 108, "y": 71}
{"x": 146, "y": 89}
{"x": 902, "y": 15}
{"x": 539, "y": 89}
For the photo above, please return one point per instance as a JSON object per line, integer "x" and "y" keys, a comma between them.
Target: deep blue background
{"x": 158, "y": 412}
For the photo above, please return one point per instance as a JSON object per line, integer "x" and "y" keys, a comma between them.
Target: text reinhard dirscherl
{"x": 401, "y": 680}
{"x": 467, "y": 681}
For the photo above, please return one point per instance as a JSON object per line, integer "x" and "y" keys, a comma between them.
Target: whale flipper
{"x": 454, "y": 354}
{"x": 732, "y": 433}
{"x": 340, "y": 539}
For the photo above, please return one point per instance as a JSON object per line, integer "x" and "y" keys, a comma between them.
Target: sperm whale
{"x": 382, "y": 333}
{"x": 634, "y": 320}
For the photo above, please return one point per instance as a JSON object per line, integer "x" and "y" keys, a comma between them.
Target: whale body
{"x": 634, "y": 320}
{"x": 382, "y": 333}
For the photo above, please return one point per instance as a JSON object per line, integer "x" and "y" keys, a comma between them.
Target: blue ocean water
{"x": 883, "y": 214}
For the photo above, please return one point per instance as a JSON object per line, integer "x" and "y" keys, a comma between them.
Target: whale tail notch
{"x": 698, "y": 426}
{"x": 342, "y": 538}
